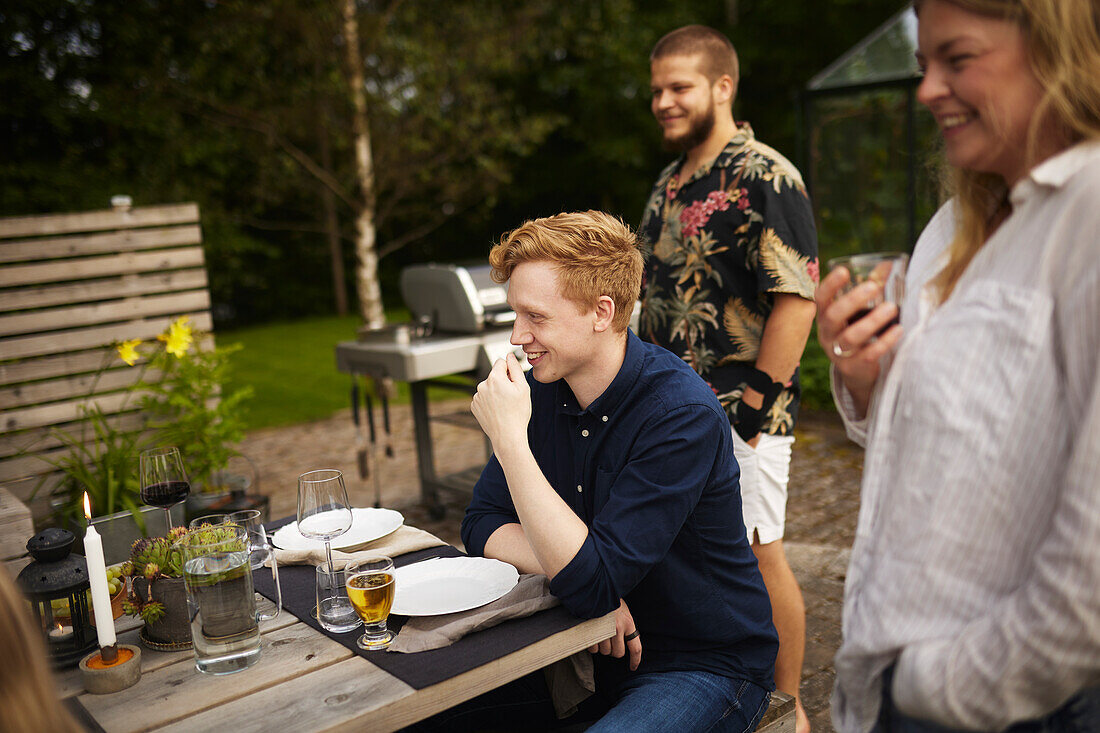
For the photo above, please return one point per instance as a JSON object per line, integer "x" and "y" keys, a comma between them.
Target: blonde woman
{"x": 973, "y": 594}
{"x": 28, "y": 699}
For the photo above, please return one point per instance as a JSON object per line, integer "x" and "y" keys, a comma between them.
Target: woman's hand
{"x": 855, "y": 348}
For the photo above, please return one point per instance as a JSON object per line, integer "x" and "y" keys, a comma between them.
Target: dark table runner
{"x": 421, "y": 669}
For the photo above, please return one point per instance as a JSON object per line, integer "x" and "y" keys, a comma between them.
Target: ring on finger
{"x": 840, "y": 353}
{"x": 632, "y": 635}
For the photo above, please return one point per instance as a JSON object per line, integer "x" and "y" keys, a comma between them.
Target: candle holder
{"x": 102, "y": 677}
{"x": 56, "y": 584}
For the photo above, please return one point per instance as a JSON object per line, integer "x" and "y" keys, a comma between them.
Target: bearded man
{"x": 730, "y": 282}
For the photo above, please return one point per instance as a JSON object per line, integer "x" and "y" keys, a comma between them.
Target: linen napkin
{"x": 570, "y": 680}
{"x": 403, "y": 539}
{"x": 421, "y": 633}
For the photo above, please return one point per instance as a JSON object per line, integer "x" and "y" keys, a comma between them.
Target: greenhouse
{"x": 871, "y": 147}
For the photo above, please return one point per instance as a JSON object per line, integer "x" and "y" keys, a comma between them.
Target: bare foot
{"x": 801, "y": 722}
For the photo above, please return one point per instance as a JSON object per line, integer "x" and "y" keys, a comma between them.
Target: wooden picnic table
{"x": 307, "y": 681}
{"x": 303, "y": 681}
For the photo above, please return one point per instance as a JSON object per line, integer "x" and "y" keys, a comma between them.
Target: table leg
{"x": 425, "y": 458}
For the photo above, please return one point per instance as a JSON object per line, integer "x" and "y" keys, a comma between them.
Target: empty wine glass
{"x": 260, "y": 550}
{"x": 324, "y": 513}
{"x": 163, "y": 480}
{"x": 209, "y": 520}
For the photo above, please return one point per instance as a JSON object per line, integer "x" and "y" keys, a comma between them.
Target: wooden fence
{"x": 73, "y": 286}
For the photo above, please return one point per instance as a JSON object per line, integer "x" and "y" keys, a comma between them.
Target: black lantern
{"x": 56, "y": 584}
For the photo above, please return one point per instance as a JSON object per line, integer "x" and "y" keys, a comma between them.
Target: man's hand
{"x": 502, "y": 404}
{"x": 617, "y": 646}
{"x": 755, "y": 400}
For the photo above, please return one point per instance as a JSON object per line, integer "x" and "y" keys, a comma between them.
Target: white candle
{"x": 60, "y": 632}
{"x": 97, "y": 578}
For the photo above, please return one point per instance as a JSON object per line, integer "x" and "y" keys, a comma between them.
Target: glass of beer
{"x": 370, "y": 584}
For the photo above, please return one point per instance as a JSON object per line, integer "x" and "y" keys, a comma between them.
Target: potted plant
{"x": 156, "y": 591}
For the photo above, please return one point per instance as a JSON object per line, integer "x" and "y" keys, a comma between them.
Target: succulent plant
{"x": 151, "y": 558}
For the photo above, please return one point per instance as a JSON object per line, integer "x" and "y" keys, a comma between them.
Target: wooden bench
{"x": 71, "y": 287}
{"x": 780, "y": 715}
{"x": 15, "y": 529}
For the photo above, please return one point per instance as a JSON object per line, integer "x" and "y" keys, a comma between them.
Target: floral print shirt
{"x": 719, "y": 245}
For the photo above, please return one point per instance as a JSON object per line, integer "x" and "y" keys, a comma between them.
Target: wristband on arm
{"x": 747, "y": 419}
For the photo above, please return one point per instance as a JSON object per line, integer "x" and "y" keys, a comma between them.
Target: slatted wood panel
{"x": 72, "y": 286}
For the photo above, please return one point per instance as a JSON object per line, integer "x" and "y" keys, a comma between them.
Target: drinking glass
{"x": 885, "y": 268}
{"x": 163, "y": 480}
{"x": 220, "y": 601}
{"x": 324, "y": 513}
{"x": 370, "y": 583}
{"x": 332, "y": 593}
{"x": 260, "y": 550}
{"x": 209, "y": 520}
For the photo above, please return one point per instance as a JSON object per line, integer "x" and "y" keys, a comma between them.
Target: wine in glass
{"x": 163, "y": 480}
{"x": 324, "y": 514}
{"x": 371, "y": 585}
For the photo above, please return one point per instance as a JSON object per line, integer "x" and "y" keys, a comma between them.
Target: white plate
{"x": 450, "y": 585}
{"x": 367, "y": 525}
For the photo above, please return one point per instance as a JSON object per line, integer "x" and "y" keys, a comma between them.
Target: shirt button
{"x": 579, "y": 489}
{"x": 605, "y": 418}
{"x": 584, "y": 433}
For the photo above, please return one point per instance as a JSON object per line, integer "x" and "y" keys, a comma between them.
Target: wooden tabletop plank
{"x": 127, "y": 628}
{"x": 357, "y": 695}
{"x": 177, "y": 691}
{"x": 323, "y": 699}
{"x": 431, "y": 700}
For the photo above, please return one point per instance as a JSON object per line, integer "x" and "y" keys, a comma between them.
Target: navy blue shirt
{"x": 649, "y": 467}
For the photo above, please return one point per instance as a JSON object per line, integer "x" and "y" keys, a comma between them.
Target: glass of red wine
{"x": 885, "y": 268}
{"x": 163, "y": 480}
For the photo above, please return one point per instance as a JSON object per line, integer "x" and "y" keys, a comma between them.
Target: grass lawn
{"x": 291, "y": 367}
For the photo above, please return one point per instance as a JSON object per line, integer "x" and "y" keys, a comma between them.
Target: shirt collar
{"x": 741, "y": 138}
{"x": 619, "y": 389}
{"x": 1055, "y": 171}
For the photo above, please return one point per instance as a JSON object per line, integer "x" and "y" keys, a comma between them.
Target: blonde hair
{"x": 28, "y": 698}
{"x": 718, "y": 56}
{"x": 1063, "y": 46}
{"x": 594, "y": 254}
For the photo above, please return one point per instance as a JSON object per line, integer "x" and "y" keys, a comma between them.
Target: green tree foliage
{"x": 482, "y": 112}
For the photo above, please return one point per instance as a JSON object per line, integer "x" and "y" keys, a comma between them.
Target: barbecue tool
{"x": 383, "y": 393}
{"x": 360, "y": 441}
{"x": 374, "y": 449}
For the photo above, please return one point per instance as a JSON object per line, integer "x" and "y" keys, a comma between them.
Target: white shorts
{"x": 765, "y": 471}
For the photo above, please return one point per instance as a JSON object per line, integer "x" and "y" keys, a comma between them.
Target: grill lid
{"x": 455, "y": 298}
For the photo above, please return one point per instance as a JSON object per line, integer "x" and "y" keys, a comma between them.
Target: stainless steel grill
{"x": 461, "y": 325}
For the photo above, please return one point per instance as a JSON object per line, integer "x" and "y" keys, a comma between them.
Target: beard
{"x": 697, "y": 134}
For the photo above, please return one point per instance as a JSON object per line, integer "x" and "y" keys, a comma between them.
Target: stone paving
{"x": 821, "y": 511}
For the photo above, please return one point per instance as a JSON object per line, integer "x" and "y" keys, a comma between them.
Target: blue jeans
{"x": 685, "y": 702}
{"x": 1081, "y": 714}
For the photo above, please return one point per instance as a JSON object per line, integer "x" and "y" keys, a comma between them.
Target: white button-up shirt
{"x": 976, "y": 564}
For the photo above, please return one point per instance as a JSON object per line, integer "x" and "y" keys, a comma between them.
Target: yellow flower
{"x": 178, "y": 337}
{"x": 127, "y": 351}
